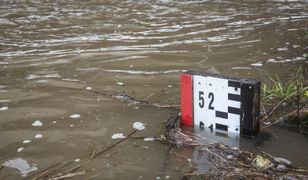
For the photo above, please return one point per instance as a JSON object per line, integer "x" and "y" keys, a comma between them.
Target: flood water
{"x": 55, "y": 54}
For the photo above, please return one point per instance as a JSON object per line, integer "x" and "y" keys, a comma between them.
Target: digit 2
{"x": 211, "y": 96}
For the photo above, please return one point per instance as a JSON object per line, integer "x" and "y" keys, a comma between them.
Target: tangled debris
{"x": 231, "y": 162}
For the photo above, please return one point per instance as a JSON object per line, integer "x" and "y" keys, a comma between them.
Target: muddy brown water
{"x": 51, "y": 52}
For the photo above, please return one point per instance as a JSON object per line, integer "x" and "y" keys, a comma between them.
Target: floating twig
{"x": 69, "y": 175}
{"x": 46, "y": 171}
{"x": 113, "y": 145}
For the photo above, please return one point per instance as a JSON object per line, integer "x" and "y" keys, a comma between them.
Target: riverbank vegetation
{"x": 285, "y": 102}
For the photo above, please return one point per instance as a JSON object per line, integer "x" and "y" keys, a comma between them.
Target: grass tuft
{"x": 276, "y": 89}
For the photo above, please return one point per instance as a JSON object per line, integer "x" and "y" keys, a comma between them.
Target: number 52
{"x": 202, "y": 102}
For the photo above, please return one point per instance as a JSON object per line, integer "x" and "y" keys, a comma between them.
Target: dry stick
{"x": 73, "y": 168}
{"x": 152, "y": 94}
{"x": 286, "y": 116}
{"x": 188, "y": 160}
{"x": 45, "y": 171}
{"x": 269, "y": 114}
{"x": 298, "y": 109}
{"x": 94, "y": 150}
{"x": 69, "y": 175}
{"x": 113, "y": 145}
{"x": 144, "y": 103}
{"x": 266, "y": 116}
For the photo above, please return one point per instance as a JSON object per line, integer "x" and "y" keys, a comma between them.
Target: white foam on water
{"x": 42, "y": 81}
{"x": 75, "y": 116}
{"x": 240, "y": 68}
{"x": 89, "y": 88}
{"x": 139, "y": 126}
{"x": 71, "y": 80}
{"x": 20, "y": 149}
{"x": 21, "y": 165}
{"x": 271, "y": 61}
{"x": 118, "y": 136}
{"x": 299, "y": 58}
{"x": 282, "y": 49}
{"x": 38, "y": 136}
{"x": 32, "y": 76}
{"x": 143, "y": 72}
{"x": 37, "y": 123}
{"x": 27, "y": 141}
{"x": 4, "y": 108}
{"x": 257, "y": 64}
{"x": 149, "y": 139}
{"x": 52, "y": 76}
{"x": 120, "y": 83}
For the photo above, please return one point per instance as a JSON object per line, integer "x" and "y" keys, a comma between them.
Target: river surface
{"x": 63, "y": 62}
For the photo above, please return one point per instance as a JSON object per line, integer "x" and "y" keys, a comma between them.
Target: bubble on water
{"x": 266, "y": 123}
{"x": 42, "y": 81}
{"x": 77, "y": 160}
{"x": 89, "y": 88}
{"x": 241, "y": 68}
{"x": 257, "y": 64}
{"x": 20, "y": 149}
{"x": 149, "y": 139}
{"x": 4, "y": 100}
{"x": 22, "y": 165}
{"x": 32, "y": 76}
{"x": 27, "y": 141}
{"x": 139, "y": 126}
{"x": 38, "y": 136}
{"x": 37, "y": 123}
{"x": 271, "y": 61}
{"x": 169, "y": 86}
{"x": 72, "y": 80}
{"x": 118, "y": 136}
{"x": 4, "y": 108}
{"x": 282, "y": 49}
{"x": 120, "y": 83}
{"x": 75, "y": 116}
{"x": 54, "y": 122}
{"x": 52, "y": 76}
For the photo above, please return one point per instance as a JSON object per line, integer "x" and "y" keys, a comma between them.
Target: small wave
{"x": 144, "y": 72}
